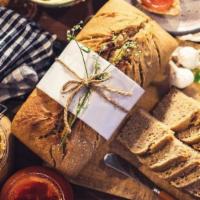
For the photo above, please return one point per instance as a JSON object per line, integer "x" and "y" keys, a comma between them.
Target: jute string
{"x": 74, "y": 86}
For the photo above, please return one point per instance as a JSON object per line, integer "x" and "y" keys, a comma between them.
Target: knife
{"x": 124, "y": 167}
{"x": 3, "y": 109}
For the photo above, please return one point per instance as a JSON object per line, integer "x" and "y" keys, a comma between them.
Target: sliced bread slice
{"x": 144, "y": 134}
{"x": 196, "y": 146}
{"x": 172, "y": 152}
{"x": 177, "y": 110}
{"x": 190, "y": 135}
{"x": 179, "y": 167}
{"x": 187, "y": 178}
{"x": 194, "y": 189}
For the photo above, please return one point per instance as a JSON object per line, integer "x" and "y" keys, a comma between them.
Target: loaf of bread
{"x": 173, "y": 161}
{"x": 4, "y": 2}
{"x": 178, "y": 111}
{"x": 127, "y": 38}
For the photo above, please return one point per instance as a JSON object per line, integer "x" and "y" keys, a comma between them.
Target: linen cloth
{"x": 25, "y": 51}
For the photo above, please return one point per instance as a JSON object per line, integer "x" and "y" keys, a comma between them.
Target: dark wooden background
{"x": 56, "y": 21}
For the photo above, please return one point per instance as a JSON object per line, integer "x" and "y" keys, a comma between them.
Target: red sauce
{"x": 158, "y": 5}
{"x": 36, "y": 184}
{"x": 32, "y": 188}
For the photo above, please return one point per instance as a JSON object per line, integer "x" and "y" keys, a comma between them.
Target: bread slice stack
{"x": 167, "y": 147}
{"x": 182, "y": 114}
{"x": 177, "y": 110}
{"x": 191, "y": 136}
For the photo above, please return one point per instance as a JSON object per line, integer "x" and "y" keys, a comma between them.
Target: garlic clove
{"x": 176, "y": 52}
{"x": 180, "y": 77}
{"x": 188, "y": 57}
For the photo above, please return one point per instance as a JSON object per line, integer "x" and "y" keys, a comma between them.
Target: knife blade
{"x": 124, "y": 167}
{"x": 3, "y": 109}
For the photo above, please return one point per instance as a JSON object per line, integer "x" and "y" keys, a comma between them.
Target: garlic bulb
{"x": 180, "y": 77}
{"x": 188, "y": 57}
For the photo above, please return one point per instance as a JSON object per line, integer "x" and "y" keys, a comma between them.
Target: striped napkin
{"x": 25, "y": 52}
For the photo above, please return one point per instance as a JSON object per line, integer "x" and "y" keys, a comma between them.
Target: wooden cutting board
{"x": 97, "y": 176}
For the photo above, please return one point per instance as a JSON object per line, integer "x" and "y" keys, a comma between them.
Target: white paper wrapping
{"x": 99, "y": 114}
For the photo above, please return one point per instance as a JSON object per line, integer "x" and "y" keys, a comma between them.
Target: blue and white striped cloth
{"x": 25, "y": 51}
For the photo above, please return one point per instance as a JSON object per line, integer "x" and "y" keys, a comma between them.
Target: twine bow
{"x": 92, "y": 83}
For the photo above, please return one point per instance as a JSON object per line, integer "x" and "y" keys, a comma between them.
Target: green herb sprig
{"x": 197, "y": 76}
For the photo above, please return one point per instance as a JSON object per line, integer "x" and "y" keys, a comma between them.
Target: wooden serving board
{"x": 97, "y": 176}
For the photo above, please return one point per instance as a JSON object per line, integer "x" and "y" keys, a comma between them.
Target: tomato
{"x": 158, "y": 5}
{"x": 36, "y": 183}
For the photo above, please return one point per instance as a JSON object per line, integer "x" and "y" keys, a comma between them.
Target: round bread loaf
{"x": 4, "y": 2}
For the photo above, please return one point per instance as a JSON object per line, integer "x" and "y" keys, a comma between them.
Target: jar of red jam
{"x": 36, "y": 183}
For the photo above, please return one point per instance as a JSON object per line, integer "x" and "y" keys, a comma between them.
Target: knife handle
{"x": 165, "y": 196}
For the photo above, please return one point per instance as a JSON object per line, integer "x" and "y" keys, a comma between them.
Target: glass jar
{"x": 36, "y": 183}
{"x": 6, "y": 143}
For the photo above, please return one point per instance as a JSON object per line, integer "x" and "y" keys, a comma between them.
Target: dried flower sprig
{"x": 71, "y": 34}
{"x": 84, "y": 100}
{"x": 82, "y": 105}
